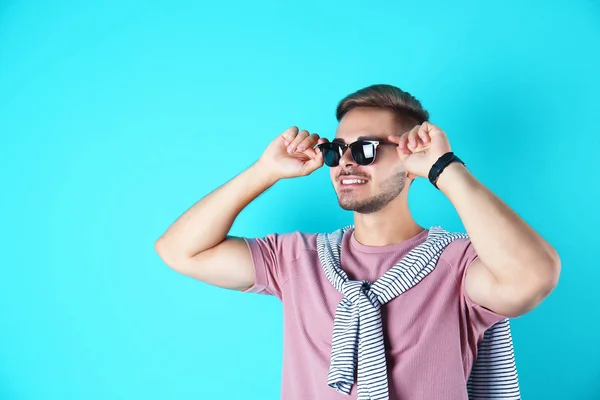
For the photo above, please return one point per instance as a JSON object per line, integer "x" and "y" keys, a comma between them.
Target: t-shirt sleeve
{"x": 271, "y": 256}
{"x": 460, "y": 254}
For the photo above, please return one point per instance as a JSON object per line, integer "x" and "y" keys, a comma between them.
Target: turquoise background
{"x": 115, "y": 117}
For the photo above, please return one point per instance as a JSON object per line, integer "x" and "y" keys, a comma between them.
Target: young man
{"x": 432, "y": 327}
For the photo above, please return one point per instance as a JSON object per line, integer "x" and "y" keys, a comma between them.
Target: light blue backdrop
{"x": 116, "y": 116}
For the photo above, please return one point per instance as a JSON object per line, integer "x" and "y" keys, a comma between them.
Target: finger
{"x": 424, "y": 134}
{"x": 403, "y": 147}
{"x": 303, "y": 134}
{"x": 412, "y": 138}
{"x": 434, "y": 131}
{"x": 309, "y": 142}
{"x": 289, "y": 134}
{"x": 399, "y": 140}
{"x": 428, "y": 126}
{"x": 312, "y": 153}
{"x": 313, "y": 164}
{"x": 419, "y": 138}
{"x": 405, "y": 137}
{"x": 403, "y": 142}
{"x": 403, "y": 154}
{"x": 321, "y": 141}
{"x": 310, "y": 149}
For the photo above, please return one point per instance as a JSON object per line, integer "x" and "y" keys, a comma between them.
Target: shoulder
{"x": 459, "y": 252}
{"x": 287, "y": 245}
{"x": 457, "y": 255}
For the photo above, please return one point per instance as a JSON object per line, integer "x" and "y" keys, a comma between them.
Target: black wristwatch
{"x": 440, "y": 164}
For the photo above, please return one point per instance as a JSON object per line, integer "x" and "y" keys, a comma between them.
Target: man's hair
{"x": 389, "y": 97}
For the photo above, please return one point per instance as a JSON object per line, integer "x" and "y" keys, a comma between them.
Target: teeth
{"x": 352, "y": 181}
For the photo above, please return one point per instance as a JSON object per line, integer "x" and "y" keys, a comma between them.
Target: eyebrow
{"x": 370, "y": 137}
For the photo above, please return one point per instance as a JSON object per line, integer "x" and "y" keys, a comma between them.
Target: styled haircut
{"x": 405, "y": 106}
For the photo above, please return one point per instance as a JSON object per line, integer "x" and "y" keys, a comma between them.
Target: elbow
{"x": 166, "y": 253}
{"x": 548, "y": 277}
{"x": 532, "y": 286}
{"x": 539, "y": 289}
{"x": 543, "y": 276}
{"x": 551, "y": 277}
{"x": 160, "y": 247}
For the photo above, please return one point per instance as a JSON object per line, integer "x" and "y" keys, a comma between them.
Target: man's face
{"x": 384, "y": 179}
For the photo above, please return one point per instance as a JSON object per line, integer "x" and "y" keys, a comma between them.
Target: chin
{"x": 361, "y": 208}
{"x": 356, "y": 204}
{"x": 366, "y": 204}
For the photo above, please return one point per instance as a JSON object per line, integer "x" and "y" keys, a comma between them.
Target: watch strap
{"x": 438, "y": 167}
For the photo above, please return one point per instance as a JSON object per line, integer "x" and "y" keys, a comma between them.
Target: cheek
{"x": 391, "y": 164}
{"x": 385, "y": 171}
{"x": 332, "y": 174}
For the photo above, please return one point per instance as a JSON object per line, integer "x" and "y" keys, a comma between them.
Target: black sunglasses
{"x": 363, "y": 151}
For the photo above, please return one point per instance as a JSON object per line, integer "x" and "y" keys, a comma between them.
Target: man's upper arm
{"x": 253, "y": 265}
{"x": 227, "y": 265}
{"x": 484, "y": 289}
{"x": 474, "y": 285}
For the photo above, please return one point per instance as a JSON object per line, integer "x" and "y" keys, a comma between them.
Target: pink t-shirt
{"x": 431, "y": 331}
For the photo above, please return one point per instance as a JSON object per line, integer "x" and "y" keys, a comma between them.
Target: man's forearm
{"x": 207, "y": 223}
{"x": 510, "y": 248}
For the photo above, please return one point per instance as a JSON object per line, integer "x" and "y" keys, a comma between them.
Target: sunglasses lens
{"x": 363, "y": 152}
{"x": 331, "y": 154}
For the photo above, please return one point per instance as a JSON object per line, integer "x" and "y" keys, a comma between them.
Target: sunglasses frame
{"x": 346, "y": 146}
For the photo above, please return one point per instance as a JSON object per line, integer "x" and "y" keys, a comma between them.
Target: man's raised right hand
{"x": 292, "y": 154}
{"x": 198, "y": 243}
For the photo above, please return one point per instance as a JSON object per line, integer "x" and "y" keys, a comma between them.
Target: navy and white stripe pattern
{"x": 358, "y": 332}
{"x": 494, "y": 374}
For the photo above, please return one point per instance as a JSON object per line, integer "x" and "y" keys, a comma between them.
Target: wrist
{"x": 264, "y": 173}
{"x": 453, "y": 176}
{"x": 441, "y": 163}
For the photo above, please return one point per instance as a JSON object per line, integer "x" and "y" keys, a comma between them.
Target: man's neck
{"x": 393, "y": 224}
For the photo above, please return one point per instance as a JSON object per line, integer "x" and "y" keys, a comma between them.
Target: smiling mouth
{"x": 353, "y": 182}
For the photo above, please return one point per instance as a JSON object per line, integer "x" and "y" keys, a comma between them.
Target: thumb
{"x": 313, "y": 164}
{"x": 403, "y": 153}
{"x": 402, "y": 148}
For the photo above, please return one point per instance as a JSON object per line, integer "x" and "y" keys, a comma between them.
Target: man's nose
{"x": 346, "y": 159}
